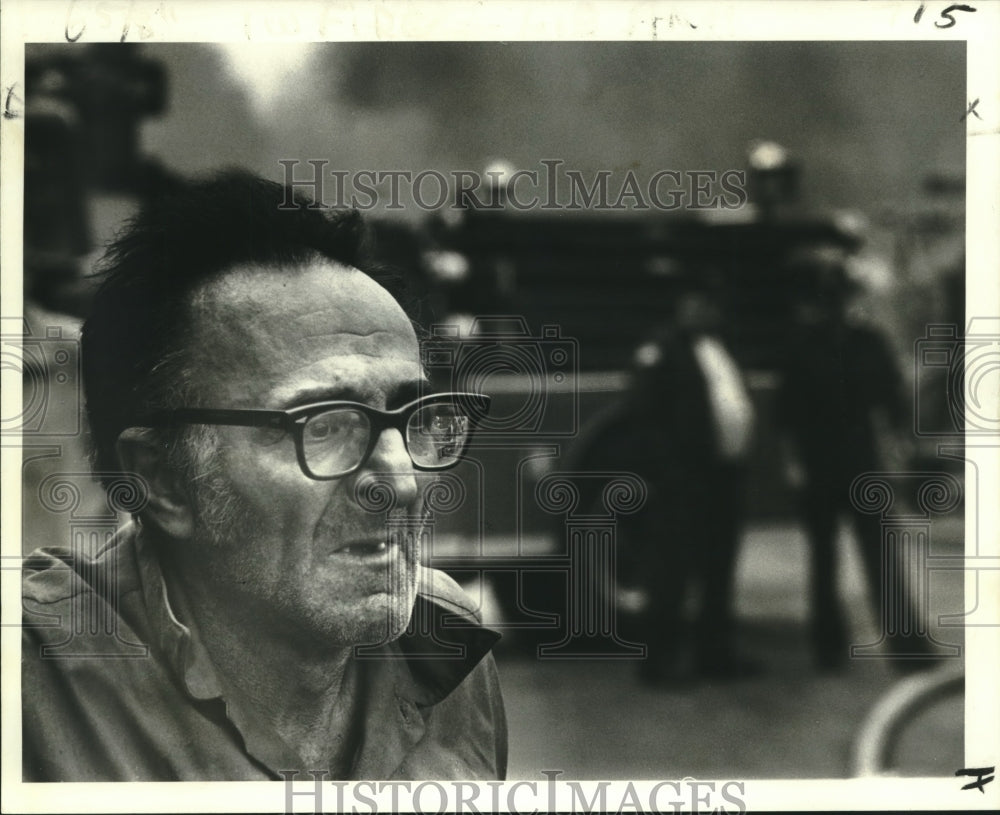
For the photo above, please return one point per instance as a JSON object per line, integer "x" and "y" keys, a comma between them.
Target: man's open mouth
{"x": 373, "y": 547}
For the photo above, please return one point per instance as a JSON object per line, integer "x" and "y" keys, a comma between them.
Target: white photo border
{"x": 148, "y": 21}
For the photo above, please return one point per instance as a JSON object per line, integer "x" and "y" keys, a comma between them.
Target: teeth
{"x": 364, "y": 548}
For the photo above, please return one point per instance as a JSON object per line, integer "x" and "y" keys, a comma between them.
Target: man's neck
{"x": 294, "y": 685}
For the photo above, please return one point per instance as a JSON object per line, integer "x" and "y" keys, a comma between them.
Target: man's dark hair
{"x": 134, "y": 343}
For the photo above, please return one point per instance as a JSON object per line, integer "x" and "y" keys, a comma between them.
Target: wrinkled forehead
{"x": 257, "y": 329}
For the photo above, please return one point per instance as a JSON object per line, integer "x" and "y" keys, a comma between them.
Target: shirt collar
{"x": 183, "y": 651}
{"x": 189, "y": 659}
{"x": 442, "y": 645}
{"x": 443, "y": 642}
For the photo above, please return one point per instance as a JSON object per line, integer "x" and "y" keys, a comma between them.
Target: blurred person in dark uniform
{"x": 841, "y": 405}
{"x": 685, "y": 426}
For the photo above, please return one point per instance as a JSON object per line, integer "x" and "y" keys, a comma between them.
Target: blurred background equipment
{"x": 84, "y": 110}
{"x": 83, "y": 172}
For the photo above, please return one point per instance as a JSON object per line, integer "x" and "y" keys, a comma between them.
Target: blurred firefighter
{"x": 842, "y": 410}
{"x": 685, "y": 425}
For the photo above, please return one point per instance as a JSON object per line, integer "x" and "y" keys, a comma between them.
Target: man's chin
{"x": 375, "y": 633}
{"x": 376, "y": 620}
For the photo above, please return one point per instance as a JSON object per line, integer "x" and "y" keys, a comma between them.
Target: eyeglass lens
{"x": 334, "y": 442}
{"x": 436, "y": 435}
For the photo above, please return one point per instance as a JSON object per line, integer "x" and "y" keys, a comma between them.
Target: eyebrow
{"x": 405, "y": 392}
{"x": 400, "y": 394}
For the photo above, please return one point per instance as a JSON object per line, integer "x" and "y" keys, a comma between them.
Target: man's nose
{"x": 392, "y": 465}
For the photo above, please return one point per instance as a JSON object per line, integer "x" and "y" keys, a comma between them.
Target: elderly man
{"x": 270, "y": 613}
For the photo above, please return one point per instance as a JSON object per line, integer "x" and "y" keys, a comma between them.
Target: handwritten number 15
{"x": 946, "y": 14}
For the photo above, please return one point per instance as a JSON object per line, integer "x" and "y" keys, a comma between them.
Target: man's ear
{"x": 140, "y": 451}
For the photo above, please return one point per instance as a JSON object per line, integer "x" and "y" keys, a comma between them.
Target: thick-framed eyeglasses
{"x": 333, "y": 439}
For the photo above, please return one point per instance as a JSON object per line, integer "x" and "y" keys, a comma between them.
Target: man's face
{"x": 304, "y": 554}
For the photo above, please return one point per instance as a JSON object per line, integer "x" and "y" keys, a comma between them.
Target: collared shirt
{"x": 115, "y": 688}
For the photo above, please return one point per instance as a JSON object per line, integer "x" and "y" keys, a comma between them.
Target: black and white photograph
{"x": 660, "y": 347}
